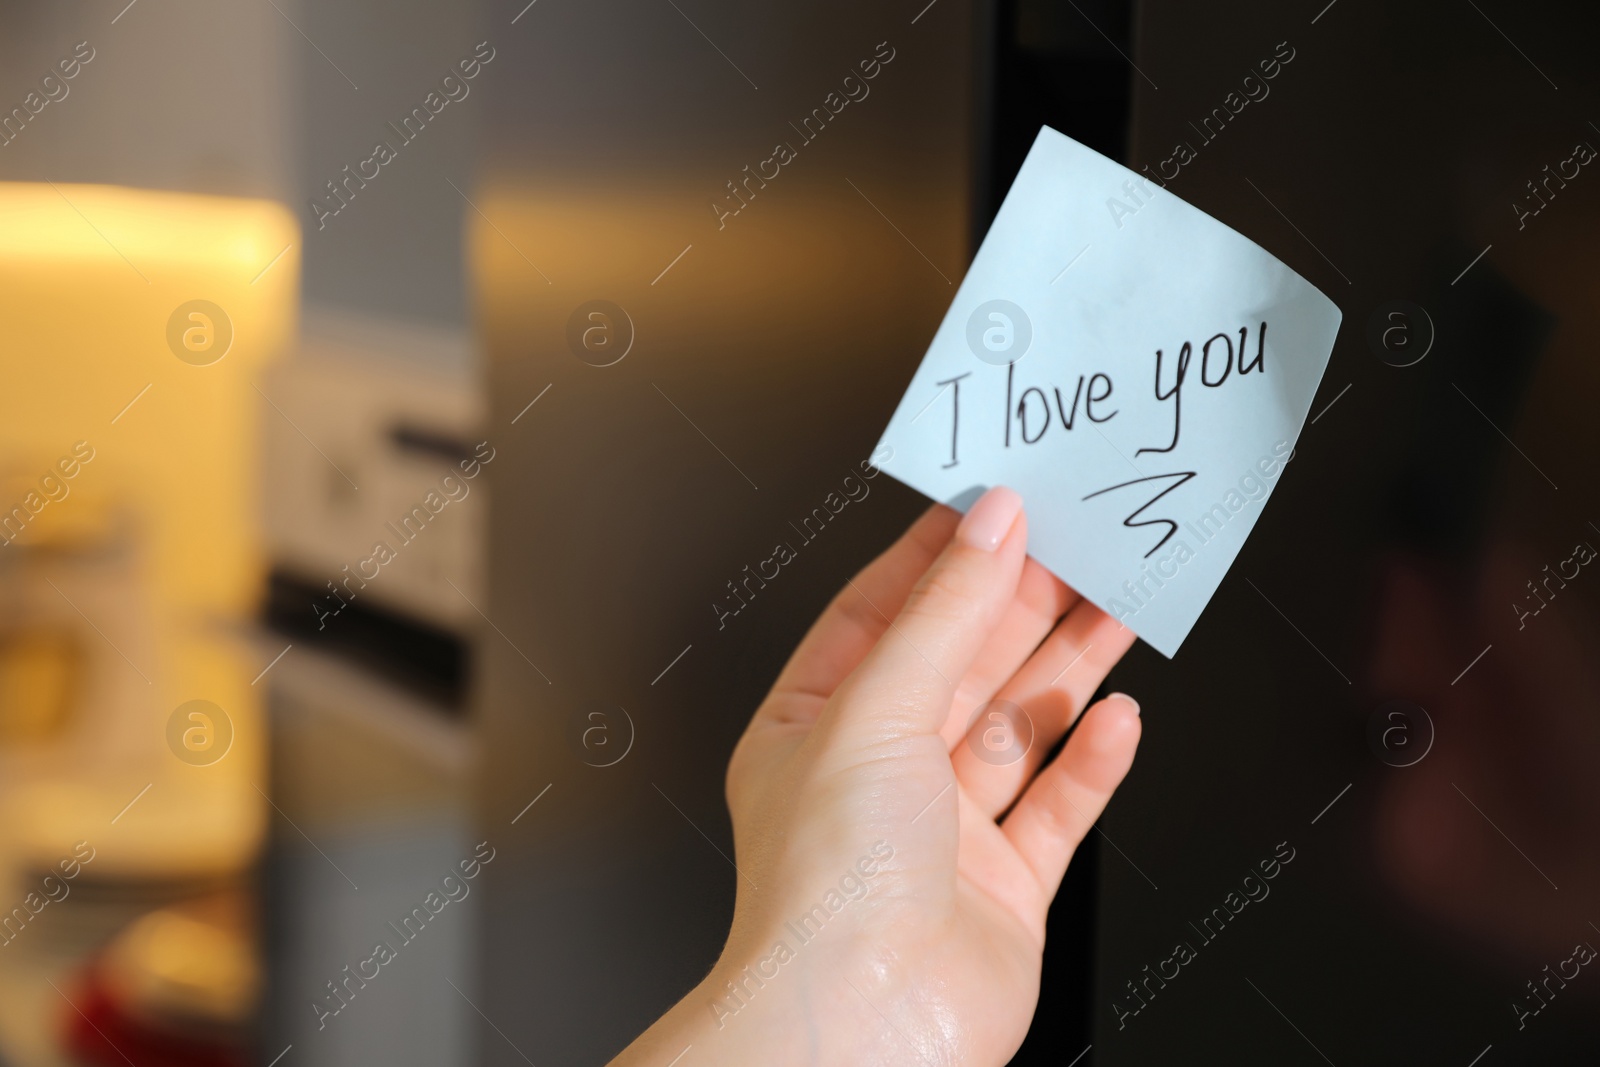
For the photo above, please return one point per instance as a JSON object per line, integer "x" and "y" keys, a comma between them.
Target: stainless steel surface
{"x": 769, "y": 346}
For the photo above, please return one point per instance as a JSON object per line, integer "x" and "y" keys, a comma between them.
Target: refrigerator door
{"x": 1366, "y": 786}
{"x": 709, "y": 246}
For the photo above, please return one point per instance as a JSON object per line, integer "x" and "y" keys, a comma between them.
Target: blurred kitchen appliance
{"x": 373, "y": 437}
{"x": 372, "y": 430}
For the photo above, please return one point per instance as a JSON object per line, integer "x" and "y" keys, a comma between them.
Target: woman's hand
{"x": 897, "y": 855}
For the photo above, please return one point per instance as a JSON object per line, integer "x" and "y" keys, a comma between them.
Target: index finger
{"x": 858, "y": 616}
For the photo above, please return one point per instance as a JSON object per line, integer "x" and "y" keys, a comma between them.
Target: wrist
{"x": 752, "y": 1009}
{"x": 717, "y": 1026}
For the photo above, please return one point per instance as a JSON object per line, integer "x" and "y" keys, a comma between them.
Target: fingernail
{"x": 1125, "y": 696}
{"x": 986, "y": 524}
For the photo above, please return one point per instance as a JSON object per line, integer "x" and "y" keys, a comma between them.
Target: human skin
{"x": 867, "y": 740}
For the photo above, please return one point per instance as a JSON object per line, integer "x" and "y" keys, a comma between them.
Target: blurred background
{"x": 390, "y": 390}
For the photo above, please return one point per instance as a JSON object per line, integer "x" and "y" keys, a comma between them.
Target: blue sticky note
{"x": 1138, "y": 371}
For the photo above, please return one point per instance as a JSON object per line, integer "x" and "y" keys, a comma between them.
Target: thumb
{"x": 905, "y": 685}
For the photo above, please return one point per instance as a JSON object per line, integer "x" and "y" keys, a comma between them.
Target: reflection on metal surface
{"x": 768, "y": 314}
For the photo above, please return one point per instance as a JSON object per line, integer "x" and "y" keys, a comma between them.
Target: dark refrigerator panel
{"x": 1395, "y": 686}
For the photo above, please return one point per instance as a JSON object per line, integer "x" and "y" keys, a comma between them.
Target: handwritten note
{"x": 1135, "y": 369}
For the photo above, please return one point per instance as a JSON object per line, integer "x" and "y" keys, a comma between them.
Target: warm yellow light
{"x": 133, "y": 326}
